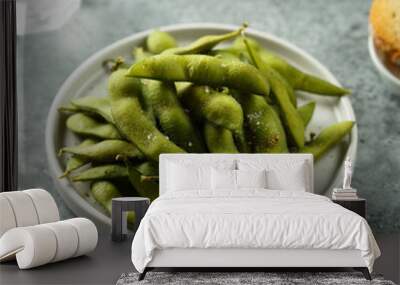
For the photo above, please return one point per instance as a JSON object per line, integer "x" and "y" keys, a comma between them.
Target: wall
{"x": 389, "y": 262}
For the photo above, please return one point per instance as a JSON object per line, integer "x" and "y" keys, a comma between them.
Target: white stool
{"x": 31, "y": 233}
{"x": 26, "y": 208}
{"x": 40, "y": 244}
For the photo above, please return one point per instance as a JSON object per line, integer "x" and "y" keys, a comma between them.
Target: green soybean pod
{"x": 290, "y": 116}
{"x": 158, "y": 41}
{"x": 120, "y": 86}
{"x": 139, "y": 53}
{"x": 145, "y": 178}
{"x": 138, "y": 128}
{"x": 205, "y": 43}
{"x": 244, "y": 55}
{"x": 328, "y": 138}
{"x": 240, "y": 45}
{"x": 103, "y": 192}
{"x": 232, "y": 53}
{"x": 181, "y": 87}
{"x": 74, "y": 162}
{"x": 147, "y": 168}
{"x": 300, "y": 80}
{"x": 306, "y": 112}
{"x": 106, "y": 150}
{"x": 97, "y": 105}
{"x": 173, "y": 120}
{"x": 85, "y": 125}
{"x": 266, "y": 132}
{"x": 218, "y": 139}
{"x": 103, "y": 172}
{"x": 68, "y": 109}
{"x": 218, "y": 108}
{"x": 225, "y": 54}
{"x": 202, "y": 70}
{"x": 149, "y": 189}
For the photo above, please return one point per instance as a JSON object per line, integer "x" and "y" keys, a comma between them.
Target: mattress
{"x": 250, "y": 219}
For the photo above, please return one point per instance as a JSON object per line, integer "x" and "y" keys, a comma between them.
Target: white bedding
{"x": 252, "y": 218}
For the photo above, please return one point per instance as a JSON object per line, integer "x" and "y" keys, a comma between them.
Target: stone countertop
{"x": 333, "y": 32}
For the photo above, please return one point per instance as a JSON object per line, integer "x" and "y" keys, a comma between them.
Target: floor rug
{"x": 243, "y": 278}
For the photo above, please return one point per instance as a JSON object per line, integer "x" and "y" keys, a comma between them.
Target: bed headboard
{"x": 209, "y": 158}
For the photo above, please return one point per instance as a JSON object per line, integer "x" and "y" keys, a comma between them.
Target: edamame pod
{"x": 120, "y": 86}
{"x": 68, "y": 109}
{"x": 232, "y": 52}
{"x": 300, "y": 80}
{"x": 147, "y": 168}
{"x": 289, "y": 114}
{"x": 136, "y": 126}
{"x": 139, "y": 53}
{"x": 202, "y": 70}
{"x": 328, "y": 137}
{"x": 225, "y": 54}
{"x": 244, "y": 55}
{"x": 296, "y": 78}
{"x": 239, "y": 44}
{"x": 205, "y": 43}
{"x": 74, "y": 162}
{"x": 103, "y": 172}
{"x": 87, "y": 126}
{"x": 173, "y": 120}
{"x": 158, "y": 41}
{"x": 218, "y": 139}
{"x": 103, "y": 192}
{"x": 265, "y": 128}
{"x": 306, "y": 111}
{"x": 149, "y": 189}
{"x": 146, "y": 178}
{"x": 97, "y": 105}
{"x": 218, "y": 108}
{"x": 181, "y": 87}
{"x": 106, "y": 150}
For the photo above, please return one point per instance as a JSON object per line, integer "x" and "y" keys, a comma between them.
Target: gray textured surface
{"x": 102, "y": 266}
{"x": 267, "y": 278}
{"x": 334, "y": 32}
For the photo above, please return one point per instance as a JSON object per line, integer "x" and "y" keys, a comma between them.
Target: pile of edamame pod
{"x": 196, "y": 98}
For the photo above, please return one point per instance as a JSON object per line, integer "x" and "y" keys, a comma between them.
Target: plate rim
{"x": 78, "y": 204}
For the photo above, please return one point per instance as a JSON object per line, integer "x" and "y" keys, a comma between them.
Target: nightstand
{"x": 118, "y": 218}
{"x": 358, "y": 206}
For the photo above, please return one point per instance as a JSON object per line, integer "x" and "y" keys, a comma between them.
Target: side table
{"x": 358, "y": 206}
{"x": 119, "y": 216}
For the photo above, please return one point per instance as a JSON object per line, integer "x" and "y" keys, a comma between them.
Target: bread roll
{"x": 385, "y": 25}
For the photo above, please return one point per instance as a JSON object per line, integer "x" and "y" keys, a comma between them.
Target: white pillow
{"x": 293, "y": 180}
{"x": 282, "y": 174}
{"x": 251, "y": 178}
{"x": 223, "y": 179}
{"x": 181, "y": 177}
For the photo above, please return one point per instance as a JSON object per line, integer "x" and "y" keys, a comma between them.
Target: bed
{"x": 246, "y": 211}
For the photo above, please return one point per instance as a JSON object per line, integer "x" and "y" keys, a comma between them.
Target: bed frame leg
{"x": 364, "y": 271}
{"x": 143, "y": 274}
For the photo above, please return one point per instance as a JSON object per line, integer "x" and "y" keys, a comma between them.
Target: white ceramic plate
{"x": 90, "y": 79}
